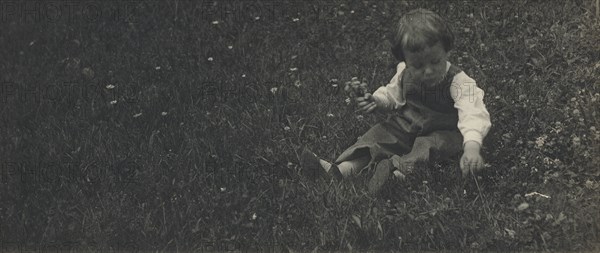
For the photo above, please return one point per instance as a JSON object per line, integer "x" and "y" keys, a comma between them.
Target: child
{"x": 436, "y": 110}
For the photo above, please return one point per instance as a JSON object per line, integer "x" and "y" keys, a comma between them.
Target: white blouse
{"x": 473, "y": 118}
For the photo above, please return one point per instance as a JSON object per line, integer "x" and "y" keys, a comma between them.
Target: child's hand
{"x": 367, "y": 103}
{"x": 471, "y": 160}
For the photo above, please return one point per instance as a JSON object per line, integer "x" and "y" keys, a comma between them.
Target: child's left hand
{"x": 471, "y": 160}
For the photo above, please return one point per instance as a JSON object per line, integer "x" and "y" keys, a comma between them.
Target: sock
{"x": 399, "y": 175}
{"x": 325, "y": 164}
{"x": 348, "y": 168}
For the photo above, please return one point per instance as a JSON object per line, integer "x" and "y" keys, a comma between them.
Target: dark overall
{"x": 424, "y": 129}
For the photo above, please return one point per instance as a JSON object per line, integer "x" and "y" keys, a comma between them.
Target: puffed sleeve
{"x": 473, "y": 118}
{"x": 391, "y": 94}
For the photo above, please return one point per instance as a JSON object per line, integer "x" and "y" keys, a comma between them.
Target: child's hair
{"x": 418, "y": 28}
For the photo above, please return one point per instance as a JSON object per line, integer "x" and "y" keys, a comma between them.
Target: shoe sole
{"x": 382, "y": 174}
{"x": 310, "y": 165}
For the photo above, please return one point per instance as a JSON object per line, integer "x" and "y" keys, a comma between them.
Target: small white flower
{"x": 157, "y": 67}
{"x": 223, "y": 189}
{"x": 540, "y": 141}
{"x": 330, "y": 115}
{"x": 589, "y": 184}
{"x": 293, "y": 69}
{"x": 110, "y": 86}
{"x": 576, "y": 141}
{"x": 113, "y": 102}
{"x": 254, "y": 216}
{"x": 274, "y": 90}
{"x": 230, "y": 47}
{"x": 243, "y": 75}
{"x": 290, "y": 164}
{"x": 295, "y": 19}
{"x": 286, "y": 128}
{"x": 216, "y": 22}
{"x": 210, "y": 59}
{"x": 297, "y": 83}
{"x": 256, "y": 18}
{"x": 163, "y": 113}
{"x": 31, "y": 43}
{"x": 137, "y": 115}
{"x": 352, "y": 11}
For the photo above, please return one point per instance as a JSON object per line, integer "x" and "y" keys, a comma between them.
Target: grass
{"x": 198, "y": 153}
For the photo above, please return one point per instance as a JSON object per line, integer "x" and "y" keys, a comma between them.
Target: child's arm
{"x": 389, "y": 97}
{"x": 473, "y": 120}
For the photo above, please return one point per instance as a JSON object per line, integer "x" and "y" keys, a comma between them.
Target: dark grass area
{"x": 198, "y": 151}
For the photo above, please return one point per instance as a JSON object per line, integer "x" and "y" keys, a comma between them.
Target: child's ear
{"x": 449, "y": 55}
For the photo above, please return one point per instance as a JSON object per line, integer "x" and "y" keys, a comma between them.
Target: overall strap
{"x": 444, "y": 84}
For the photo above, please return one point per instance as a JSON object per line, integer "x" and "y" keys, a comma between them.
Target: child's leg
{"x": 314, "y": 167}
{"x": 347, "y": 168}
{"x": 435, "y": 146}
{"x": 352, "y": 167}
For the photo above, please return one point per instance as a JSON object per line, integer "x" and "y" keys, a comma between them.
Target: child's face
{"x": 428, "y": 66}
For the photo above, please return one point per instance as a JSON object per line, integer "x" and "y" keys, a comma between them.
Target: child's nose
{"x": 428, "y": 71}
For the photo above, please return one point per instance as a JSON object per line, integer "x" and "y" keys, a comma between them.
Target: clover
{"x": 356, "y": 88}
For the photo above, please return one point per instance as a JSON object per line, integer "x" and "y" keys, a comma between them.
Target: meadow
{"x": 175, "y": 126}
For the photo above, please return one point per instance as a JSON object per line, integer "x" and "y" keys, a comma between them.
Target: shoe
{"x": 311, "y": 167}
{"x": 383, "y": 173}
{"x": 399, "y": 175}
{"x": 334, "y": 172}
{"x": 402, "y": 166}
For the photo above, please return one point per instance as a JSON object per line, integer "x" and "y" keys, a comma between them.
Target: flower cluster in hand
{"x": 359, "y": 91}
{"x": 356, "y": 88}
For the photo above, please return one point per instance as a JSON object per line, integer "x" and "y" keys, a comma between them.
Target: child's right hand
{"x": 366, "y": 103}
{"x": 356, "y": 88}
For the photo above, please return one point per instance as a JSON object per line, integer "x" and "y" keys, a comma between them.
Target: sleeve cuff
{"x": 382, "y": 98}
{"x": 472, "y": 136}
